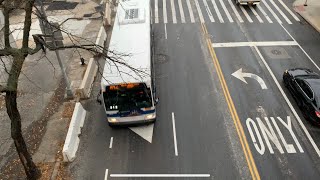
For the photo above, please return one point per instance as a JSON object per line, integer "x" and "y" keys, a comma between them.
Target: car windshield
{"x": 127, "y": 97}
{"x": 314, "y": 83}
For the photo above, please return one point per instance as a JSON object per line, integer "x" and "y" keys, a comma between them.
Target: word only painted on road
{"x": 266, "y": 133}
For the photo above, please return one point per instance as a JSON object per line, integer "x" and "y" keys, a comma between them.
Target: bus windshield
{"x": 127, "y": 97}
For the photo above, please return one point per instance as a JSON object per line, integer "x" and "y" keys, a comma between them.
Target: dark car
{"x": 304, "y": 85}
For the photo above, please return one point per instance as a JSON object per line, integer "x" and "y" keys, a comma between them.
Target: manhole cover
{"x": 61, "y": 5}
{"x": 276, "y": 52}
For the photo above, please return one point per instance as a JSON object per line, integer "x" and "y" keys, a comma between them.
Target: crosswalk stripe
{"x": 289, "y": 11}
{"x": 190, "y": 11}
{"x": 199, "y": 11}
{"x": 164, "y": 7}
{"x": 279, "y": 10}
{"x": 173, "y": 9}
{"x": 246, "y": 14}
{"x": 256, "y": 14}
{"x": 264, "y": 13}
{"x": 156, "y": 13}
{"x": 208, "y": 10}
{"x": 226, "y": 11}
{"x": 217, "y": 10}
{"x": 235, "y": 11}
{"x": 272, "y": 12}
{"x": 183, "y": 20}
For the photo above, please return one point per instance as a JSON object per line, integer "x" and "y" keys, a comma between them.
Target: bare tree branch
{"x": 27, "y": 24}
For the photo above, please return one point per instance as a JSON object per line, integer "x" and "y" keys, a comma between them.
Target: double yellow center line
{"x": 243, "y": 140}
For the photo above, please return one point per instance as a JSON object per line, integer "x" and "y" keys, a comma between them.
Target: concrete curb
{"x": 306, "y": 17}
{"x": 72, "y": 141}
{"x": 86, "y": 84}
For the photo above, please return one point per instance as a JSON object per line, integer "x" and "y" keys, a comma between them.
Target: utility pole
{"x": 44, "y": 26}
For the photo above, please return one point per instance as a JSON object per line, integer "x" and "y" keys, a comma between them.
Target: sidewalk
{"x": 311, "y": 12}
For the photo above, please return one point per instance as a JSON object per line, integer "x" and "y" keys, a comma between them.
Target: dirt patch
{"x": 2, "y": 102}
{"x": 68, "y": 110}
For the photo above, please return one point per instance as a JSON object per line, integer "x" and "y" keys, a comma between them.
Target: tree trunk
{"x": 14, "y": 115}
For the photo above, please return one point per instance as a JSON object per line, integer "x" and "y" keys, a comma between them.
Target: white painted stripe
{"x": 208, "y": 10}
{"x": 289, "y": 103}
{"x": 183, "y": 19}
{"x": 264, "y": 13}
{"x": 199, "y": 11}
{"x": 173, "y": 10}
{"x": 246, "y": 14}
{"x": 159, "y": 175}
{"x": 260, "y": 43}
{"x": 190, "y": 11}
{"x": 256, "y": 14}
{"x": 289, "y": 11}
{"x": 279, "y": 10}
{"x": 165, "y": 31}
{"x": 156, "y": 13}
{"x": 164, "y": 7}
{"x": 111, "y": 142}
{"x": 174, "y": 135}
{"x": 106, "y": 174}
{"x": 272, "y": 12}
{"x": 225, "y": 10}
{"x": 217, "y": 11}
{"x": 235, "y": 11}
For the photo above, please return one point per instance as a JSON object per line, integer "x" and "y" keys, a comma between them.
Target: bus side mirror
{"x": 156, "y": 101}
{"x": 99, "y": 98}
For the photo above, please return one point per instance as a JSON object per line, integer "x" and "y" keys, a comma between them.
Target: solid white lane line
{"x": 288, "y": 102}
{"x": 106, "y": 174}
{"x": 111, "y": 142}
{"x": 173, "y": 10}
{"x": 246, "y": 14}
{"x": 256, "y": 14}
{"x": 301, "y": 48}
{"x": 259, "y": 43}
{"x": 199, "y": 11}
{"x": 272, "y": 12}
{"x": 208, "y": 10}
{"x": 165, "y": 31}
{"x": 174, "y": 135}
{"x": 279, "y": 10}
{"x": 225, "y": 10}
{"x": 183, "y": 19}
{"x": 289, "y": 11}
{"x": 159, "y": 175}
{"x": 264, "y": 13}
{"x": 217, "y": 10}
{"x": 235, "y": 11}
{"x": 190, "y": 11}
{"x": 156, "y": 13}
{"x": 164, "y": 7}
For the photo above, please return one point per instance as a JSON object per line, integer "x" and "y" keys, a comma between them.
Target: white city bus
{"x": 128, "y": 96}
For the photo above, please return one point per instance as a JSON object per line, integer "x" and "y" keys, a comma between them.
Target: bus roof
{"x": 130, "y": 43}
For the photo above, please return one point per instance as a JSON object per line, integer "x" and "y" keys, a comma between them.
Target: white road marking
{"x": 217, "y": 10}
{"x": 301, "y": 48}
{"x": 199, "y": 11}
{"x": 261, "y": 149}
{"x": 235, "y": 11}
{"x": 160, "y": 175}
{"x": 183, "y": 19}
{"x": 279, "y": 10}
{"x": 208, "y": 10}
{"x": 264, "y": 13}
{"x": 289, "y": 11}
{"x": 256, "y": 14}
{"x": 173, "y": 9}
{"x": 156, "y": 13}
{"x": 246, "y": 14}
{"x": 225, "y": 10}
{"x": 289, "y": 103}
{"x": 190, "y": 11}
{"x": 111, "y": 142}
{"x": 174, "y": 135}
{"x": 241, "y": 76}
{"x": 164, "y": 7}
{"x": 106, "y": 174}
{"x": 272, "y": 12}
{"x": 165, "y": 31}
{"x": 259, "y": 43}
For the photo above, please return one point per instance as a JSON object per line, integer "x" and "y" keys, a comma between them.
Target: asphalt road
{"x": 224, "y": 128}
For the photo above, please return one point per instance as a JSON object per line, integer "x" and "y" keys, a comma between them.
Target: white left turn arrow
{"x": 146, "y": 132}
{"x": 241, "y": 75}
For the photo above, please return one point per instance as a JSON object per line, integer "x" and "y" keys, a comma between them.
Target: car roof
{"x": 301, "y": 72}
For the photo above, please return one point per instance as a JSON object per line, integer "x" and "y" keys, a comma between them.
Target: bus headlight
{"x": 150, "y": 116}
{"x": 112, "y": 119}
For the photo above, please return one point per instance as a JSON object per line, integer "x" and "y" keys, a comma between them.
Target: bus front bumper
{"x": 132, "y": 120}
